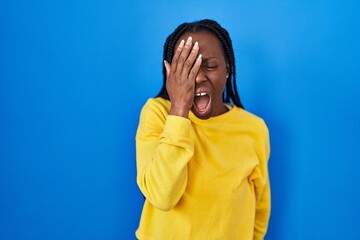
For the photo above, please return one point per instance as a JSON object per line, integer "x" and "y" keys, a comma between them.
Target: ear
{"x": 227, "y": 70}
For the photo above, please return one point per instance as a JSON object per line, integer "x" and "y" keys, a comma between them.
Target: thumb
{"x": 167, "y": 67}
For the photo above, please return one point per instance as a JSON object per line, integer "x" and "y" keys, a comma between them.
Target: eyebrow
{"x": 209, "y": 58}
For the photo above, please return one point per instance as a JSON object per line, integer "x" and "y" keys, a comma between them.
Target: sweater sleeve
{"x": 163, "y": 149}
{"x": 262, "y": 186}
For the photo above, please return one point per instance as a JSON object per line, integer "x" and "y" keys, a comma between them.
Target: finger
{"x": 195, "y": 69}
{"x": 167, "y": 67}
{"x": 184, "y": 55}
{"x": 189, "y": 62}
{"x": 176, "y": 56}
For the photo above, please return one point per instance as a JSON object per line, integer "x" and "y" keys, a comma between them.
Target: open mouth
{"x": 202, "y": 103}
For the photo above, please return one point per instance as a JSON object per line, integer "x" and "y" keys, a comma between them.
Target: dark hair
{"x": 222, "y": 34}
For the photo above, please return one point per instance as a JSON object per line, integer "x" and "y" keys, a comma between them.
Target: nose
{"x": 200, "y": 77}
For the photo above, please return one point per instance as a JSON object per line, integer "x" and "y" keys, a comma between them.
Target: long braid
{"x": 230, "y": 93}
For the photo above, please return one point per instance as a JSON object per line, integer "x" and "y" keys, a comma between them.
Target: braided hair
{"x": 222, "y": 34}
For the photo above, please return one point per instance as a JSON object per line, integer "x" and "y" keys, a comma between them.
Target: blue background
{"x": 75, "y": 74}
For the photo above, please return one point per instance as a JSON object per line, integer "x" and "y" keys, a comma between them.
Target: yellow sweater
{"x": 202, "y": 179}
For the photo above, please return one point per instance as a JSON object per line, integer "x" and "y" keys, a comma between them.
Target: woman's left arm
{"x": 262, "y": 186}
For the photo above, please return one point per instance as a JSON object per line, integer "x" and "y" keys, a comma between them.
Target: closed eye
{"x": 209, "y": 67}
{"x": 209, "y": 64}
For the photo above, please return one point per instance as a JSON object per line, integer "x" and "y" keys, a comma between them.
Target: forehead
{"x": 210, "y": 45}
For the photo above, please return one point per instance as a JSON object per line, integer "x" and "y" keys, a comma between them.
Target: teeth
{"x": 200, "y": 94}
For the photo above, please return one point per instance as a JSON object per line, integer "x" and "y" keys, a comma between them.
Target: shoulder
{"x": 157, "y": 103}
{"x": 155, "y": 109}
{"x": 250, "y": 118}
{"x": 251, "y": 123}
{"x": 257, "y": 127}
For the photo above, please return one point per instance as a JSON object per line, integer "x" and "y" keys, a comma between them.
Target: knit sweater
{"x": 202, "y": 179}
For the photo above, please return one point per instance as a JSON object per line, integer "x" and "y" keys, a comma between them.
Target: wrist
{"x": 179, "y": 111}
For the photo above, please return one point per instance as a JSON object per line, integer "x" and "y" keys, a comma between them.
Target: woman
{"x": 201, "y": 158}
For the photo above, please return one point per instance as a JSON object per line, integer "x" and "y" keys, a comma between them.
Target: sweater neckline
{"x": 217, "y": 119}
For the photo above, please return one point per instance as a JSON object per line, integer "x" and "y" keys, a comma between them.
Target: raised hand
{"x": 181, "y": 74}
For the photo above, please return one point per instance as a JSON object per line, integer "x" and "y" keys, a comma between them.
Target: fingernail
{"x": 182, "y": 43}
{"x": 196, "y": 45}
{"x": 189, "y": 39}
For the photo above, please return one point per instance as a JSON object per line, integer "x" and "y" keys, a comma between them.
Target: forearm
{"x": 263, "y": 207}
{"x": 162, "y": 163}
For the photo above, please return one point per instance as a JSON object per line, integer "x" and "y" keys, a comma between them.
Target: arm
{"x": 262, "y": 216}
{"x": 163, "y": 149}
{"x": 262, "y": 187}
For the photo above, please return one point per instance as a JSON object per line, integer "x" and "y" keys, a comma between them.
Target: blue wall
{"x": 75, "y": 74}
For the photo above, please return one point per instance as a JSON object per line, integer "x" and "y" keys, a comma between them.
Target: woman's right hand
{"x": 181, "y": 74}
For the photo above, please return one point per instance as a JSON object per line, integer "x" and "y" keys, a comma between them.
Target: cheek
{"x": 222, "y": 78}
{"x": 219, "y": 82}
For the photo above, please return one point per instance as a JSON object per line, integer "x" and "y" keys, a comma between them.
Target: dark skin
{"x": 197, "y": 73}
